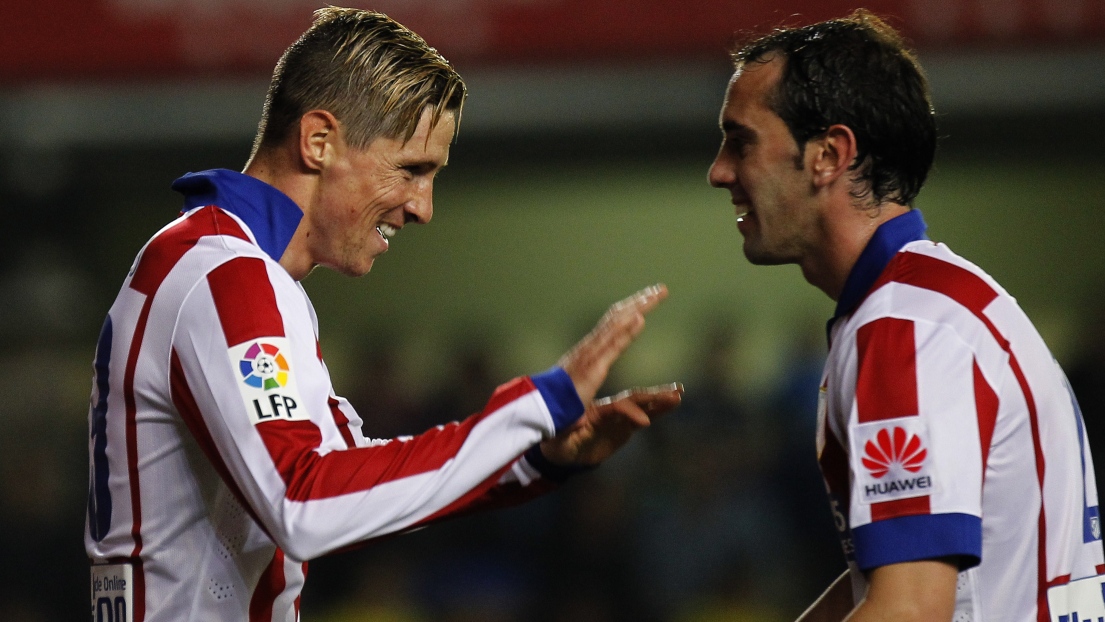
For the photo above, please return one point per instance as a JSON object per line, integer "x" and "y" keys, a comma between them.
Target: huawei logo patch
{"x": 890, "y": 447}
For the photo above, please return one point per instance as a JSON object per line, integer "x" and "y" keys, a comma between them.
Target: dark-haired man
{"x": 221, "y": 460}
{"x": 950, "y": 444}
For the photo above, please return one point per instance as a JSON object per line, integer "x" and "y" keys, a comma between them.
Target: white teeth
{"x": 386, "y": 230}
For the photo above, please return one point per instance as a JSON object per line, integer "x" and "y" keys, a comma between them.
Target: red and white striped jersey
{"x": 946, "y": 428}
{"x": 221, "y": 459}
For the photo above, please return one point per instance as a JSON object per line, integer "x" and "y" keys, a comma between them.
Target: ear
{"x": 318, "y": 138}
{"x": 832, "y": 154}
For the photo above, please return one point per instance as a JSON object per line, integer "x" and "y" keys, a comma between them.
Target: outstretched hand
{"x": 608, "y": 423}
{"x": 589, "y": 361}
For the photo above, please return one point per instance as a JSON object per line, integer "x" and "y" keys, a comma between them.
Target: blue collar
{"x": 271, "y": 216}
{"x": 889, "y": 238}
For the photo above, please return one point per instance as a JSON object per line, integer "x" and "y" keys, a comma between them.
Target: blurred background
{"x": 579, "y": 176}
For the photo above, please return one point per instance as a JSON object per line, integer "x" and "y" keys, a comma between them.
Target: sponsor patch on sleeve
{"x": 266, "y": 380}
{"x": 892, "y": 460}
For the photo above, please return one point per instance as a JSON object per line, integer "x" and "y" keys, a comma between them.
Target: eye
{"x": 738, "y": 139}
{"x": 737, "y": 145}
{"x": 419, "y": 170}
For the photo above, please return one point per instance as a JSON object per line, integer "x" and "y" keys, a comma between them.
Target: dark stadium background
{"x": 578, "y": 177}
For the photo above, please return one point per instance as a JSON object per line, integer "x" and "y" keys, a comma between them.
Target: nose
{"x": 420, "y": 208}
{"x": 721, "y": 173}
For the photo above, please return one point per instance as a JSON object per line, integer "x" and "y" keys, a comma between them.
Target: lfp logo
{"x": 264, "y": 367}
{"x": 885, "y": 451}
{"x": 268, "y": 387}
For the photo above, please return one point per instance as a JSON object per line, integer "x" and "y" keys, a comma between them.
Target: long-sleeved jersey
{"x": 947, "y": 430}
{"x": 221, "y": 459}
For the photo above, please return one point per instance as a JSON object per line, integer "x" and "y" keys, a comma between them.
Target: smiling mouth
{"x": 744, "y": 211}
{"x": 386, "y": 231}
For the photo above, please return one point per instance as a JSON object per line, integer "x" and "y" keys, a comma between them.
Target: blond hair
{"x": 372, "y": 73}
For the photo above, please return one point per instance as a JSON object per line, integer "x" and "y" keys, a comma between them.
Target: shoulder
{"x": 926, "y": 267}
{"x": 206, "y": 262}
{"x": 190, "y": 247}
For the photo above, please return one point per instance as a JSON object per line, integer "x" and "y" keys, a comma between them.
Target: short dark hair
{"x": 372, "y": 73}
{"x": 855, "y": 71}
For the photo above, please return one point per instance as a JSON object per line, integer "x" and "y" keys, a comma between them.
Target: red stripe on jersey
{"x": 986, "y": 409}
{"x": 307, "y": 475}
{"x": 185, "y": 404}
{"x": 963, "y": 286}
{"x": 245, "y": 300}
{"x": 498, "y": 496}
{"x": 834, "y": 468}
{"x": 299, "y": 595}
{"x": 269, "y": 586}
{"x": 164, "y": 251}
{"x": 1060, "y": 580}
{"x": 467, "y": 500}
{"x": 886, "y": 384}
{"x": 973, "y": 293}
{"x": 1041, "y": 540}
{"x": 900, "y": 507}
{"x": 139, "y": 577}
{"x": 132, "y": 428}
{"x": 341, "y": 421}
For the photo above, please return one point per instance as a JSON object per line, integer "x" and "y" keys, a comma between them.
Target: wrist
{"x": 550, "y": 470}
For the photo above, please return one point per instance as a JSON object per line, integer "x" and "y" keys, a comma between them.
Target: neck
{"x": 272, "y": 167}
{"x": 846, "y": 234}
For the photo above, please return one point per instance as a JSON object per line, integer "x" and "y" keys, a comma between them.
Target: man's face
{"x": 764, "y": 170}
{"x": 365, "y": 196}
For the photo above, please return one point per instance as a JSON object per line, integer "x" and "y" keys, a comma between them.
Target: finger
{"x": 625, "y": 320}
{"x": 628, "y": 315}
{"x": 654, "y": 401}
{"x": 626, "y": 409}
{"x": 644, "y": 300}
{"x": 671, "y": 392}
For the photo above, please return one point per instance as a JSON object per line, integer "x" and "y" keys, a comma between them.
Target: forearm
{"x": 834, "y": 604}
{"x": 918, "y": 591}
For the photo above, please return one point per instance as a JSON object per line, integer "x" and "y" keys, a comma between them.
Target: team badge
{"x": 266, "y": 380}
{"x": 264, "y": 367}
{"x": 893, "y": 459}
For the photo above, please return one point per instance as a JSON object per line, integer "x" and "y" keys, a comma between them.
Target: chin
{"x": 359, "y": 269}
{"x": 363, "y": 270}
{"x": 761, "y": 257}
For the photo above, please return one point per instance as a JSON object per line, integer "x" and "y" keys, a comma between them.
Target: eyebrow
{"x": 738, "y": 130}
{"x": 425, "y": 162}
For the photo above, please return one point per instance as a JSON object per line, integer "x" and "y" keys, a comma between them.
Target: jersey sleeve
{"x": 248, "y": 382}
{"x": 916, "y": 446}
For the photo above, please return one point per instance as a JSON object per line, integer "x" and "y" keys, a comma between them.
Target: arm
{"x": 303, "y": 485}
{"x": 921, "y": 591}
{"x": 833, "y": 605}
